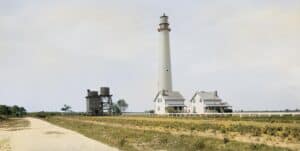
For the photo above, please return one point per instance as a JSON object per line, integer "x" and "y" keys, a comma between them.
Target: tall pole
{"x": 165, "y": 74}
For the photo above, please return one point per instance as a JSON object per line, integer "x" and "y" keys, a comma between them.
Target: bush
{"x": 163, "y": 140}
{"x": 14, "y": 111}
{"x": 256, "y": 146}
{"x": 2, "y": 118}
{"x": 226, "y": 140}
{"x": 122, "y": 141}
{"x": 41, "y": 115}
{"x": 199, "y": 144}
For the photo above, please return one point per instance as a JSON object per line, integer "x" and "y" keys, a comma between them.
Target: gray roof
{"x": 173, "y": 95}
{"x": 218, "y": 105}
{"x": 207, "y": 95}
{"x": 212, "y": 95}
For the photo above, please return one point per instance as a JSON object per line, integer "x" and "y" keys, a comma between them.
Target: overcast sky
{"x": 52, "y": 51}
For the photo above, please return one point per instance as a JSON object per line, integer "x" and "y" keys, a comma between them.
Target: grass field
{"x": 206, "y": 133}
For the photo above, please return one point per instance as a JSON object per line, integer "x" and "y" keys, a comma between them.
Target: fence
{"x": 240, "y": 114}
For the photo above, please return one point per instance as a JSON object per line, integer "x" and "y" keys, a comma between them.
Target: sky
{"x": 52, "y": 51}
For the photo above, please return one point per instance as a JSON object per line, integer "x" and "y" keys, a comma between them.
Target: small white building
{"x": 207, "y": 102}
{"x": 169, "y": 101}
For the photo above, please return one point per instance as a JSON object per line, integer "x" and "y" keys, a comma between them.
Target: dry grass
{"x": 143, "y": 133}
{"x": 13, "y": 124}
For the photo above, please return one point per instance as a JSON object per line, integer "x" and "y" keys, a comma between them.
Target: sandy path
{"x": 43, "y": 136}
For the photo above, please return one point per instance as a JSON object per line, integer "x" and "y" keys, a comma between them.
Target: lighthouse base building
{"x": 169, "y": 102}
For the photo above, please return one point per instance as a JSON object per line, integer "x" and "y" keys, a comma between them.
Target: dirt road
{"x": 43, "y": 136}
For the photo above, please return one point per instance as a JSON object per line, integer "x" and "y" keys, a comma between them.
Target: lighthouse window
{"x": 158, "y": 108}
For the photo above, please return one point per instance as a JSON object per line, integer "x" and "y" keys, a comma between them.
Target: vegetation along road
{"x": 31, "y": 134}
{"x": 181, "y": 134}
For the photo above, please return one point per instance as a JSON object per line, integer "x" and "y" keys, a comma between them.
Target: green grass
{"x": 138, "y": 139}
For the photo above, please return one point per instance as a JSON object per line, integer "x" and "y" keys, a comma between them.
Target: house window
{"x": 158, "y": 108}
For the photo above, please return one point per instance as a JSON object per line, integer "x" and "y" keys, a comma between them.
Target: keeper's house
{"x": 207, "y": 102}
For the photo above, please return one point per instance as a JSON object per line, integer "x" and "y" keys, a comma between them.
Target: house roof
{"x": 207, "y": 95}
{"x": 212, "y": 95}
{"x": 216, "y": 104}
{"x": 173, "y": 95}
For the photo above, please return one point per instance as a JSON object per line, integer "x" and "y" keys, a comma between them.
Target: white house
{"x": 165, "y": 100}
{"x": 207, "y": 102}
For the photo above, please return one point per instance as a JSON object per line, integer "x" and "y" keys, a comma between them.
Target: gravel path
{"x": 43, "y": 136}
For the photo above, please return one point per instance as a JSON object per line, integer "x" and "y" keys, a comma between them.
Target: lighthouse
{"x": 166, "y": 100}
{"x": 165, "y": 75}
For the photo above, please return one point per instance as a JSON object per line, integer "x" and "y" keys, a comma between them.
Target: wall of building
{"x": 93, "y": 105}
{"x": 197, "y": 105}
{"x": 160, "y": 105}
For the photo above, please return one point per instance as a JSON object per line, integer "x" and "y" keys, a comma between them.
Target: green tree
{"x": 66, "y": 108}
{"x": 115, "y": 109}
{"x": 122, "y": 105}
{"x": 22, "y": 111}
{"x": 12, "y": 111}
{"x": 5, "y": 110}
{"x": 15, "y": 110}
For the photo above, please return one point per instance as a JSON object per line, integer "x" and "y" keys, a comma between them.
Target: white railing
{"x": 241, "y": 114}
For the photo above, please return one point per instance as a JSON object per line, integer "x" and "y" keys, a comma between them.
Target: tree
{"x": 15, "y": 110}
{"x": 4, "y": 110}
{"x": 22, "y": 111}
{"x": 115, "y": 109}
{"x": 12, "y": 111}
{"x": 66, "y": 108}
{"x": 122, "y": 105}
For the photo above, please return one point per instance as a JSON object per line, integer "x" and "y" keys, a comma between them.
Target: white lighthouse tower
{"x": 166, "y": 99}
{"x": 165, "y": 76}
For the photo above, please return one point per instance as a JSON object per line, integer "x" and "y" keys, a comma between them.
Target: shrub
{"x": 257, "y": 132}
{"x": 2, "y": 118}
{"x": 192, "y": 129}
{"x": 198, "y": 144}
{"x": 41, "y": 114}
{"x": 15, "y": 111}
{"x": 226, "y": 140}
{"x": 122, "y": 141}
{"x": 256, "y": 146}
{"x": 163, "y": 140}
